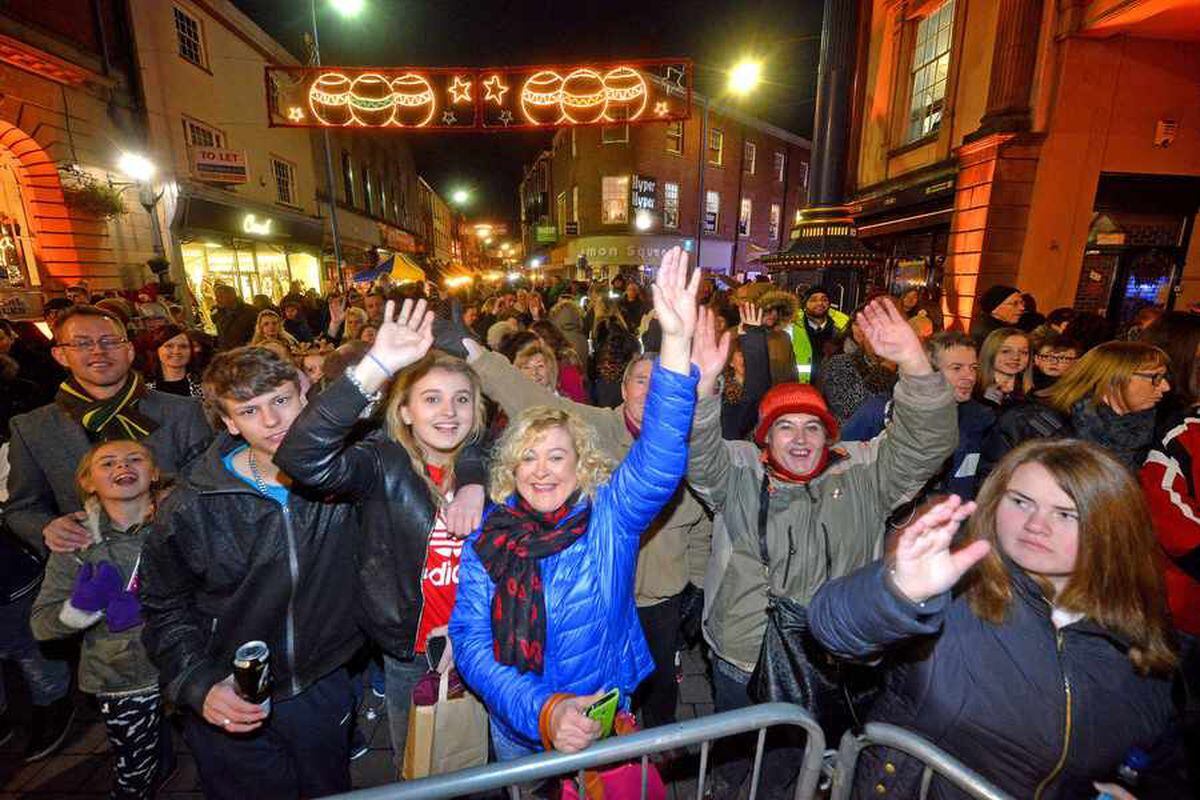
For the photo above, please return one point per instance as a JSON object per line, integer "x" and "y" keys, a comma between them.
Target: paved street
{"x": 81, "y": 768}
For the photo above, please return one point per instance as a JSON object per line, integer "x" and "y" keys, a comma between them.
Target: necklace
{"x": 259, "y": 483}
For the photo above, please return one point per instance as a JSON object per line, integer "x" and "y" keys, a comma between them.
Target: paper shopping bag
{"x": 451, "y": 734}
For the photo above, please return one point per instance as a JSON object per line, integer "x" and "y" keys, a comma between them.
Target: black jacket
{"x": 235, "y": 326}
{"x": 224, "y": 565}
{"x": 1017, "y": 424}
{"x": 1022, "y": 703}
{"x": 396, "y": 509}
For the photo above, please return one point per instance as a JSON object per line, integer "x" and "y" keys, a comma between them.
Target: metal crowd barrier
{"x": 618, "y": 749}
{"x": 879, "y": 734}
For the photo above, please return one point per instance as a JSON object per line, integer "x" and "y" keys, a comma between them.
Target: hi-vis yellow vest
{"x": 801, "y": 345}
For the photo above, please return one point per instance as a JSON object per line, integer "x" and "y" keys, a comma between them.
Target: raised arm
{"x": 708, "y": 460}
{"x": 924, "y": 428}
{"x": 651, "y": 472}
{"x": 885, "y": 603}
{"x": 315, "y": 451}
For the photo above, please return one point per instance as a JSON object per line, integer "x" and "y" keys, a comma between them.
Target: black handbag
{"x": 793, "y": 667}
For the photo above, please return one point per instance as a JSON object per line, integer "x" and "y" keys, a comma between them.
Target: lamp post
{"x": 744, "y": 77}
{"x": 347, "y": 8}
{"x": 140, "y": 171}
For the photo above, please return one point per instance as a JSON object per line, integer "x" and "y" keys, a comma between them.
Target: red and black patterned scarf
{"x": 512, "y": 541}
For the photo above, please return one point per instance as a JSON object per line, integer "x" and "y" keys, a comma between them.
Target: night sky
{"x": 784, "y": 34}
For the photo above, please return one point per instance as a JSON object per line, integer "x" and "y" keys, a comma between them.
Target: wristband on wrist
{"x": 371, "y": 397}
{"x": 379, "y": 364}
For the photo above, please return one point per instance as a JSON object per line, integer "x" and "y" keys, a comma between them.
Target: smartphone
{"x": 604, "y": 711}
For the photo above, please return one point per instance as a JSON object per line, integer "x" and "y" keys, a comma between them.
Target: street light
{"x": 348, "y": 8}
{"x": 345, "y": 9}
{"x": 745, "y": 76}
{"x": 136, "y": 167}
{"x": 460, "y": 197}
{"x": 643, "y": 220}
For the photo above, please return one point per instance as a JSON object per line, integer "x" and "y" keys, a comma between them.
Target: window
{"x": 198, "y": 134}
{"x": 575, "y": 204}
{"x": 744, "y": 217}
{"x": 560, "y": 213}
{"x": 574, "y": 152}
{"x": 773, "y": 222}
{"x": 716, "y": 146}
{"x": 675, "y": 137}
{"x": 780, "y": 166}
{"x": 368, "y": 194}
{"x": 930, "y": 65}
{"x": 670, "y": 205}
{"x": 614, "y": 200}
{"x": 614, "y": 134}
{"x": 749, "y": 156}
{"x": 347, "y": 179}
{"x": 285, "y": 180}
{"x": 189, "y": 38}
{"x": 712, "y": 211}
{"x": 804, "y": 174}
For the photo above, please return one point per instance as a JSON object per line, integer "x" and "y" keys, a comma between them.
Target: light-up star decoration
{"x": 506, "y": 117}
{"x": 460, "y": 90}
{"x": 296, "y": 114}
{"x": 448, "y": 118}
{"x": 675, "y": 78}
{"x": 494, "y": 89}
{"x": 661, "y": 109}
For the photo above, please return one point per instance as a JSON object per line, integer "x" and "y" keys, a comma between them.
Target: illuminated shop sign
{"x": 480, "y": 99}
{"x": 252, "y": 224}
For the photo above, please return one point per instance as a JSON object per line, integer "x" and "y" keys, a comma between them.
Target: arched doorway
{"x": 39, "y": 239}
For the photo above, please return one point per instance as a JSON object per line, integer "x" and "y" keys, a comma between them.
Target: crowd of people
{"x": 987, "y": 537}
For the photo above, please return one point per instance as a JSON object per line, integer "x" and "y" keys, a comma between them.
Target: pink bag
{"x": 623, "y": 782}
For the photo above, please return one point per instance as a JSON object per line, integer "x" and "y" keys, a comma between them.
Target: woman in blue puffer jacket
{"x": 1050, "y": 662}
{"x": 545, "y": 620}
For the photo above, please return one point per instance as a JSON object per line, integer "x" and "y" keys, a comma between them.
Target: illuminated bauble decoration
{"x": 371, "y": 100}
{"x": 626, "y": 92}
{"x": 414, "y": 101}
{"x": 329, "y": 98}
{"x": 541, "y": 98}
{"x": 584, "y": 99}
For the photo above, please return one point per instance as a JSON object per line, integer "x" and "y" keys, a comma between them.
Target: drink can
{"x": 252, "y": 673}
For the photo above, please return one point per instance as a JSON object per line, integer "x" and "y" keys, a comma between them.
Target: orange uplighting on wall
{"x": 481, "y": 99}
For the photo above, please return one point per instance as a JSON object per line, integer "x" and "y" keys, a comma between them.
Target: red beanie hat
{"x": 793, "y": 398}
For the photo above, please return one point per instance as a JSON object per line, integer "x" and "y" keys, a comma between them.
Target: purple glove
{"x": 95, "y": 586}
{"x": 124, "y": 612}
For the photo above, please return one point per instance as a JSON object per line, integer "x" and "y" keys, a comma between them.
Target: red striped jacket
{"x": 1171, "y": 479}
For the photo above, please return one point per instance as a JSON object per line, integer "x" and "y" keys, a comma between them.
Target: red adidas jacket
{"x": 1171, "y": 479}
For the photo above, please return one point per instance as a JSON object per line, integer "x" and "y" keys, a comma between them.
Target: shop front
{"x": 606, "y": 256}
{"x": 909, "y": 225}
{"x": 254, "y": 248}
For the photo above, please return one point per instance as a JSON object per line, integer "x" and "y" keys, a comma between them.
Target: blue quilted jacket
{"x": 593, "y": 639}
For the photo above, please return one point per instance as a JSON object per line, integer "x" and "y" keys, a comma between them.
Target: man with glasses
{"x": 101, "y": 399}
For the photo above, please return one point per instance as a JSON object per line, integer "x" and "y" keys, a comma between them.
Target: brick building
{"x": 1047, "y": 145}
{"x": 66, "y": 111}
{"x": 621, "y": 195}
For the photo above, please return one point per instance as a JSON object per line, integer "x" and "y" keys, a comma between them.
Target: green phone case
{"x": 604, "y": 711}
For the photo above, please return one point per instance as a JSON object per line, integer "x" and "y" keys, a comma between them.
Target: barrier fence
{"x": 879, "y": 734}
{"x": 703, "y": 731}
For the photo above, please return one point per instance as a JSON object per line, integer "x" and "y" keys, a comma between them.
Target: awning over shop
{"x": 399, "y": 266}
{"x": 206, "y": 213}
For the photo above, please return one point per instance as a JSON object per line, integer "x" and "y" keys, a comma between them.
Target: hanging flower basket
{"x": 95, "y": 198}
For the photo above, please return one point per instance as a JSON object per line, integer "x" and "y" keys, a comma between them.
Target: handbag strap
{"x": 764, "y": 552}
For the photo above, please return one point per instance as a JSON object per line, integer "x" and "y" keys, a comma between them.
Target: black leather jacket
{"x": 224, "y": 565}
{"x": 395, "y": 513}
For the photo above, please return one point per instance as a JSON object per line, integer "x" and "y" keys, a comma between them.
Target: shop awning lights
{"x": 643, "y": 220}
{"x": 136, "y": 167}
